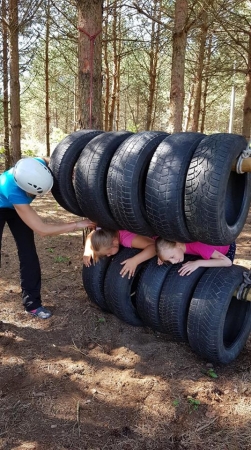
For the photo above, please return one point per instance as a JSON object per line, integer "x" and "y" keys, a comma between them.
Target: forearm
{"x": 53, "y": 229}
{"x": 34, "y": 221}
{"x": 221, "y": 262}
{"x": 46, "y": 159}
{"x": 145, "y": 254}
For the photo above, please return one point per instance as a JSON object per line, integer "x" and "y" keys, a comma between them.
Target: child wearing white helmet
{"x": 18, "y": 188}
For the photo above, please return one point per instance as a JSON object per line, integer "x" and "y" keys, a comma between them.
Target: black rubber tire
{"x": 91, "y": 174}
{"x": 165, "y": 185}
{"x": 175, "y": 298}
{"x": 118, "y": 290}
{"x": 126, "y": 181}
{"x": 148, "y": 292}
{"x": 217, "y": 200}
{"x": 218, "y": 324}
{"x": 93, "y": 281}
{"x": 62, "y": 163}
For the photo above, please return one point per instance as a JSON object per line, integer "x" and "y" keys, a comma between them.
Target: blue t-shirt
{"x": 10, "y": 193}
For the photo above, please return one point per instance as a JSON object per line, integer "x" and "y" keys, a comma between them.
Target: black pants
{"x": 30, "y": 272}
{"x": 231, "y": 252}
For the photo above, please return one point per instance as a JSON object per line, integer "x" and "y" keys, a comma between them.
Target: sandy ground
{"x": 85, "y": 380}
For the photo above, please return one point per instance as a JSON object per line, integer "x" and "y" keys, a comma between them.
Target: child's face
{"x": 173, "y": 255}
{"x": 110, "y": 251}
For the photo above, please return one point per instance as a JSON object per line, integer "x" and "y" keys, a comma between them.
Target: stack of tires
{"x": 180, "y": 187}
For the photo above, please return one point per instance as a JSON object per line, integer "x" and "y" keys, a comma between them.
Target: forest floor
{"x": 85, "y": 380}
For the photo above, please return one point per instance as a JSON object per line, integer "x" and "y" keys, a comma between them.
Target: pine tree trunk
{"x": 14, "y": 83}
{"x": 106, "y": 68}
{"x": 177, "y": 92}
{"x": 5, "y": 88}
{"x": 198, "y": 78}
{"x": 90, "y": 62}
{"x": 47, "y": 87}
{"x": 114, "y": 91}
{"x": 246, "y": 124}
{"x": 153, "y": 67}
{"x": 189, "y": 107}
{"x": 206, "y": 84}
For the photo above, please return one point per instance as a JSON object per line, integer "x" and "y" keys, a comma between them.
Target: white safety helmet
{"x": 33, "y": 176}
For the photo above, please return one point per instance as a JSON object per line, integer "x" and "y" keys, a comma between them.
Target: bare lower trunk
{"x": 246, "y": 124}
{"x": 90, "y": 86}
{"x": 153, "y": 69}
{"x": 5, "y": 89}
{"x": 14, "y": 83}
{"x": 47, "y": 97}
{"x": 177, "y": 93}
{"x": 198, "y": 78}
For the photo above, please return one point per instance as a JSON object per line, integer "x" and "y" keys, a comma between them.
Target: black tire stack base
{"x": 182, "y": 188}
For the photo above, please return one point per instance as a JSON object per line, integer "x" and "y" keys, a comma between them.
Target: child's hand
{"x": 87, "y": 223}
{"x": 188, "y": 267}
{"x": 129, "y": 268}
{"x": 87, "y": 260}
{"x": 159, "y": 262}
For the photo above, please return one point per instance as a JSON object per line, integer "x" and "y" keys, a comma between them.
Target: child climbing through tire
{"x": 101, "y": 242}
{"x": 212, "y": 255}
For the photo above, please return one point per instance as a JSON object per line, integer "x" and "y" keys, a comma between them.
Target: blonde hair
{"x": 162, "y": 244}
{"x": 101, "y": 240}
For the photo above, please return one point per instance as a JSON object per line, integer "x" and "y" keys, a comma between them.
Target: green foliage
{"x": 227, "y": 37}
{"x": 61, "y": 259}
{"x": 57, "y": 135}
{"x": 101, "y": 320}
{"x": 210, "y": 373}
{"x": 193, "y": 403}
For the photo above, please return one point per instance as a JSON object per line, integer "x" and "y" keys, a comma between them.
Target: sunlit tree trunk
{"x": 198, "y": 77}
{"x": 114, "y": 90}
{"x": 5, "y": 87}
{"x": 189, "y": 107}
{"x": 246, "y": 124}
{"x": 117, "y": 120}
{"x": 153, "y": 66}
{"x": 47, "y": 82}
{"x": 206, "y": 84}
{"x": 177, "y": 93}
{"x": 90, "y": 59}
{"x": 14, "y": 82}
{"x": 106, "y": 67}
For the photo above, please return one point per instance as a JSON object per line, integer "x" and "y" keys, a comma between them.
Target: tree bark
{"x": 246, "y": 124}
{"x": 206, "y": 84}
{"x": 153, "y": 67}
{"x": 106, "y": 68}
{"x": 5, "y": 88}
{"x": 177, "y": 92}
{"x": 90, "y": 63}
{"x": 47, "y": 87}
{"x": 198, "y": 77}
{"x": 114, "y": 90}
{"x": 14, "y": 82}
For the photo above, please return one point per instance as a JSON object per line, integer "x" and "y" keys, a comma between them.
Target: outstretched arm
{"x": 217, "y": 260}
{"x": 34, "y": 221}
{"x": 148, "y": 251}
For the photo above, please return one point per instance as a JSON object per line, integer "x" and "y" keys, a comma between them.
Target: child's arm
{"x": 148, "y": 251}
{"x": 217, "y": 260}
{"x": 88, "y": 253}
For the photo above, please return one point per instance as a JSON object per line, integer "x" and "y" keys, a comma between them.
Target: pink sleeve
{"x": 198, "y": 248}
{"x": 126, "y": 238}
{"x": 205, "y": 250}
